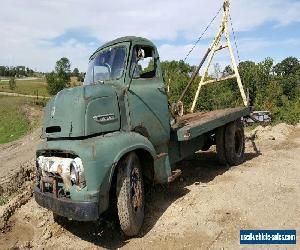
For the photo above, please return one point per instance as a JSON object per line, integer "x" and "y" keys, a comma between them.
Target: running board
{"x": 176, "y": 173}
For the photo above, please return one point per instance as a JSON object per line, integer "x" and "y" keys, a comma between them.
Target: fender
{"x": 131, "y": 141}
{"x": 123, "y": 143}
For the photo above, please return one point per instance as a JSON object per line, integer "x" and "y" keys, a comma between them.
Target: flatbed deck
{"x": 193, "y": 125}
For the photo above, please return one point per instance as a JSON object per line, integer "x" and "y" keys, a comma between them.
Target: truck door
{"x": 147, "y": 98}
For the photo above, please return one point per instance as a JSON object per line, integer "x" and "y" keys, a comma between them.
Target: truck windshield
{"x": 107, "y": 65}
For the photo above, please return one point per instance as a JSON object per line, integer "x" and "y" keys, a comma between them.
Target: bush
{"x": 12, "y": 83}
{"x": 55, "y": 83}
{"x": 80, "y": 77}
{"x": 289, "y": 113}
{"x": 59, "y": 79}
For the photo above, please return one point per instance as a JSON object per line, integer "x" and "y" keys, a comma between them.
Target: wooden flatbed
{"x": 193, "y": 125}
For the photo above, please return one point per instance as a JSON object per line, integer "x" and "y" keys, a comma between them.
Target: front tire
{"x": 130, "y": 195}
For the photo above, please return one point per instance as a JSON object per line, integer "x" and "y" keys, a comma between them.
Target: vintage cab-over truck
{"x": 108, "y": 136}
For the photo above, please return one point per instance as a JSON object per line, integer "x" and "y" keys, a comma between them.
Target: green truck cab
{"x": 108, "y": 136}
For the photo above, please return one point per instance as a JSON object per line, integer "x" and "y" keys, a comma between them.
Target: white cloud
{"x": 179, "y": 52}
{"x": 26, "y": 26}
{"x": 172, "y": 52}
{"x": 250, "y": 45}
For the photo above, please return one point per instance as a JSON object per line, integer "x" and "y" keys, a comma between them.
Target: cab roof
{"x": 124, "y": 39}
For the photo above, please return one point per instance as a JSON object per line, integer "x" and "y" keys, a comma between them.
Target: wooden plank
{"x": 194, "y": 125}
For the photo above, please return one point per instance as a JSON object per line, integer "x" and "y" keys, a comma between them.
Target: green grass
{"x": 14, "y": 121}
{"x": 3, "y": 200}
{"x": 32, "y": 87}
{"x": 27, "y": 87}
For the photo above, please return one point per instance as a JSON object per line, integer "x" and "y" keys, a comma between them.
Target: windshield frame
{"x": 103, "y": 50}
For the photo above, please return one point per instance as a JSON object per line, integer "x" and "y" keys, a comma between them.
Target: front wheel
{"x": 130, "y": 195}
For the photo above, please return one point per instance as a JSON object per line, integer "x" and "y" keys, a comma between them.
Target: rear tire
{"x": 220, "y": 145}
{"x": 59, "y": 219}
{"x": 235, "y": 143}
{"x": 130, "y": 195}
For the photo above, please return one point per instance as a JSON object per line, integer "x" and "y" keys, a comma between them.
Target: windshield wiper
{"x": 100, "y": 81}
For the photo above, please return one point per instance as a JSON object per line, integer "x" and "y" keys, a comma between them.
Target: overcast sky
{"x": 36, "y": 33}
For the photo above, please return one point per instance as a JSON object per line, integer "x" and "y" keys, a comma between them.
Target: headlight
{"x": 70, "y": 170}
{"x": 76, "y": 172}
{"x": 38, "y": 169}
{"x": 39, "y": 162}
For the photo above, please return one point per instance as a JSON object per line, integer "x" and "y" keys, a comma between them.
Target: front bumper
{"x": 79, "y": 211}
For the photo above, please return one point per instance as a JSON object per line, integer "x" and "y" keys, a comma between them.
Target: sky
{"x": 36, "y": 33}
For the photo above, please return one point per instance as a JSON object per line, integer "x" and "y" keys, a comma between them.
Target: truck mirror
{"x": 141, "y": 54}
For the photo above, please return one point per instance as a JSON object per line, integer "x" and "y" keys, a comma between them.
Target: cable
{"x": 198, "y": 40}
{"x": 174, "y": 108}
{"x": 234, "y": 37}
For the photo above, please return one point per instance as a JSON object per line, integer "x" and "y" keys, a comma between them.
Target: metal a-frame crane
{"x": 212, "y": 50}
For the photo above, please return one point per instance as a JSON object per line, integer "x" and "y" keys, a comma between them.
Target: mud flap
{"x": 162, "y": 168}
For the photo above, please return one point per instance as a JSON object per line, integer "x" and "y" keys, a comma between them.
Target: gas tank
{"x": 82, "y": 111}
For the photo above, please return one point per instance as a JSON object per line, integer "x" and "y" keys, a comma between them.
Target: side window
{"x": 144, "y": 68}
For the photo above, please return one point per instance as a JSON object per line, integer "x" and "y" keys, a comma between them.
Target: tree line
{"x": 271, "y": 87}
{"x": 18, "y": 71}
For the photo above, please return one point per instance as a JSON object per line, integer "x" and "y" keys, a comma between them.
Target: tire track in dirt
{"x": 17, "y": 162}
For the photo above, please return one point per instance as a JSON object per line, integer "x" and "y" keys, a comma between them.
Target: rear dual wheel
{"x": 230, "y": 143}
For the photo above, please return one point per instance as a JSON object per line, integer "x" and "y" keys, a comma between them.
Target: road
{"x": 16, "y": 94}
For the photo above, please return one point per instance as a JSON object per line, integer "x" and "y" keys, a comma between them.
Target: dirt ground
{"x": 203, "y": 209}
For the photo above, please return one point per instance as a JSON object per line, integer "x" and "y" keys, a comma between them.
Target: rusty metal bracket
{"x": 50, "y": 180}
{"x": 175, "y": 174}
